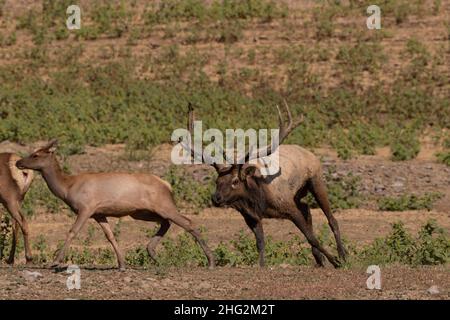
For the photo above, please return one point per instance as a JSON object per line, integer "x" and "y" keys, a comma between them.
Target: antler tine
{"x": 288, "y": 110}
{"x": 190, "y": 127}
{"x": 292, "y": 125}
{"x": 191, "y": 118}
{"x": 280, "y": 116}
{"x": 189, "y": 147}
{"x": 284, "y": 132}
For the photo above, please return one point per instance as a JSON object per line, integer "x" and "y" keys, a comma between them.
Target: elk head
{"x": 39, "y": 159}
{"x": 242, "y": 180}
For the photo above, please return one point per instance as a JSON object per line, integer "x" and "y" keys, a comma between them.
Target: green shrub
{"x": 402, "y": 12}
{"x": 361, "y": 57}
{"x": 61, "y": 33}
{"x": 242, "y": 251}
{"x": 405, "y": 145}
{"x": 444, "y": 157}
{"x": 41, "y": 254}
{"x": 409, "y": 202}
{"x": 188, "y": 192}
{"x": 430, "y": 247}
{"x": 181, "y": 10}
{"x": 433, "y": 247}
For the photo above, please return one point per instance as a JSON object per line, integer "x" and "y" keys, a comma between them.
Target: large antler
{"x": 189, "y": 147}
{"x": 283, "y": 133}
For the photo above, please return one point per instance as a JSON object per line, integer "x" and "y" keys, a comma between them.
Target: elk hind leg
{"x": 13, "y": 207}
{"x": 186, "y": 224}
{"x": 103, "y": 222}
{"x": 319, "y": 191}
{"x": 300, "y": 222}
{"x": 15, "y": 234}
{"x": 151, "y": 246}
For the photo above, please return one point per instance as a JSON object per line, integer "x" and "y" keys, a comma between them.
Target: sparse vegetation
{"x": 112, "y": 101}
{"x": 430, "y": 247}
{"x": 188, "y": 192}
{"x": 409, "y": 202}
{"x": 444, "y": 157}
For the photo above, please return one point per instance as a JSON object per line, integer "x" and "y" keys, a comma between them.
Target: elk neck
{"x": 57, "y": 181}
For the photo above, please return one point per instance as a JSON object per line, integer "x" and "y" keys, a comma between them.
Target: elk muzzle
{"x": 19, "y": 165}
{"x": 217, "y": 200}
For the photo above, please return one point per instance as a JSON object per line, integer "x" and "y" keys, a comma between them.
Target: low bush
{"x": 409, "y": 202}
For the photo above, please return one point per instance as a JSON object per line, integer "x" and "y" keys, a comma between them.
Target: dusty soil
{"x": 229, "y": 283}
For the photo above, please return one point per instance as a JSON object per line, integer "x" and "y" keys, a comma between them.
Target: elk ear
{"x": 251, "y": 171}
{"x": 51, "y": 146}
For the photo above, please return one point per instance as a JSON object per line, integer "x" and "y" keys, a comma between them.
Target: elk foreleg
{"x": 81, "y": 220}
{"x": 257, "y": 228}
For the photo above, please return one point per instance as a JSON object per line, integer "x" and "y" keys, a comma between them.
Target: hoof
{"x": 319, "y": 265}
{"x": 152, "y": 254}
{"x": 58, "y": 267}
{"x": 337, "y": 264}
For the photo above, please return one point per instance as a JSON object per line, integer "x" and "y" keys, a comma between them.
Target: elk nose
{"x": 19, "y": 164}
{"x": 216, "y": 199}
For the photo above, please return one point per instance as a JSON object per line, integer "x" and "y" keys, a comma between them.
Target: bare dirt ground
{"x": 360, "y": 226}
{"x": 229, "y": 283}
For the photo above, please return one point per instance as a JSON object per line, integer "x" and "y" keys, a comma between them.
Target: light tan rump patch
{"x": 164, "y": 182}
{"x": 23, "y": 178}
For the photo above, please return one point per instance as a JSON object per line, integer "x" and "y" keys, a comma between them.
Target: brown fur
{"x": 14, "y": 184}
{"x": 101, "y": 195}
{"x": 278, "y": 196}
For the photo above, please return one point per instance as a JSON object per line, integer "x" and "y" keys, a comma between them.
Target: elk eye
{"x": 34, "y": 156}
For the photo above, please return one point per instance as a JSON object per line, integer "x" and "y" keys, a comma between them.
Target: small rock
{"x": 167, "y": 282}
{"x": 284, "y": 265}
{"x": 398, "y": 185}
{"x": 379, "y": 188}
{"x": 204, "y": 285}
{"x": 31, "y": 275}
{"x": 433, "y": 290}
{"x": 127, "y": 279}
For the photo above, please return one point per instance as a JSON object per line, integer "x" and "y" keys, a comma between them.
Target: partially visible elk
{"x": 242, "y": 186}
{"x": 14, "y": 184}
{"x": 102, "y": 195}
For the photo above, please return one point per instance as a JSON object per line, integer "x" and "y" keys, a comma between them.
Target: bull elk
{"x": 242, "y": 186}
{"x": 102, "y": 195}
{"x": 14, "y": 184}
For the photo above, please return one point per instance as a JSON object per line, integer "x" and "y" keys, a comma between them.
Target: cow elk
{"x": 242, "y": 186}
{"x": 102, "y": 195}
{"x": 14, "y": 184}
